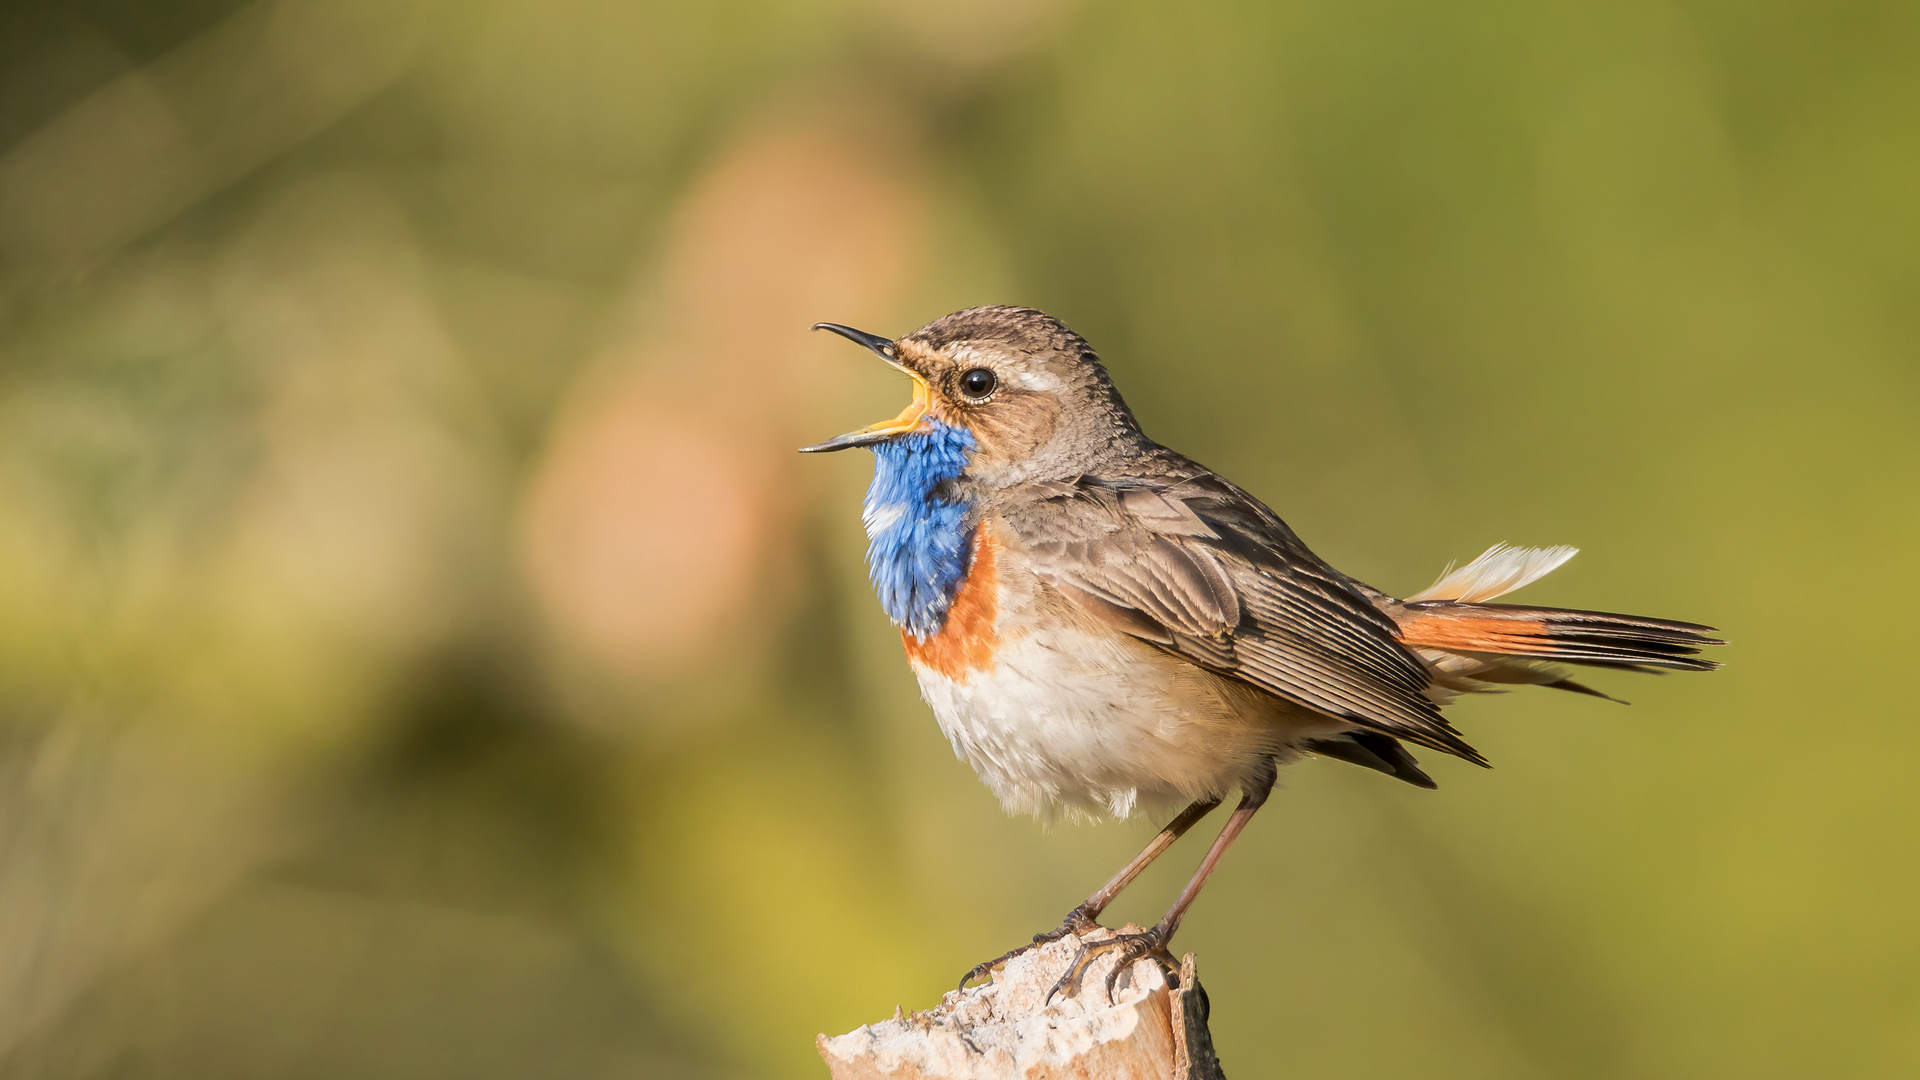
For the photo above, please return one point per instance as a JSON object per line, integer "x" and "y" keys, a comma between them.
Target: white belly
{"x": 1096, "y": 723}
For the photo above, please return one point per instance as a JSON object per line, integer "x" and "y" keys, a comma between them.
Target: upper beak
{"x": 909, "y": 417}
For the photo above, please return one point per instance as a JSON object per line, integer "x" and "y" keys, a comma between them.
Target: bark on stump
{"x": 1003, "y": 1031}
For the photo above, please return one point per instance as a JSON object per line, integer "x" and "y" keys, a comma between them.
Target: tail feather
{"x": 1592, "y": 638}
{"x": 1497, "y": 571}
{"x": 1471, "y": 646}
{"x": 1484, "y": 677}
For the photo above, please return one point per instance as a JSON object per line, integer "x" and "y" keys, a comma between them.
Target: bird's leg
{"x": 1154, "y": 941}
{"x": 1087, "y": 916}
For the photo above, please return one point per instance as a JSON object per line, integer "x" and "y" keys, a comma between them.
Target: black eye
{"x": 978, "y": 382}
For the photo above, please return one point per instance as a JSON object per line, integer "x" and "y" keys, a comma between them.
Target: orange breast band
{"x": 966, "y": 641}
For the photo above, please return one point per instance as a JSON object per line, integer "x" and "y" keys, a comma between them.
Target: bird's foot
{"x": 1077, "y": 922}
{"x": 1149, "y": 944}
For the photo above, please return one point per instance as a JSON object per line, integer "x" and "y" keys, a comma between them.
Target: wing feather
{"x": 1192, "y": 564}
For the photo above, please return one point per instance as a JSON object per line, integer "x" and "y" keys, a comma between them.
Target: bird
{"x": 1104, "y": 627}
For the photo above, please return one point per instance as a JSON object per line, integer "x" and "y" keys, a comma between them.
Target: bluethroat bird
{"x": 1102, "y": 626}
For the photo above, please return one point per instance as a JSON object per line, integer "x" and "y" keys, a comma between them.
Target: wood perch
{"x": 1003, "y": 1030}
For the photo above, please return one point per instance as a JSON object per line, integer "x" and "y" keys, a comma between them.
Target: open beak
{"x": 909, "y": 417}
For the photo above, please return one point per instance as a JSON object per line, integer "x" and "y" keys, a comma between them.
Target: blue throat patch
{"x": 918, "y": 543}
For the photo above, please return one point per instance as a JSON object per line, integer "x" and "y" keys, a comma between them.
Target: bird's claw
{"x": 1152, "y": 944}
{"x": 1076, "y": 923}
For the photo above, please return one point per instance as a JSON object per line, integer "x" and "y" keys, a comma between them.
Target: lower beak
{"x": 909, "y": 417}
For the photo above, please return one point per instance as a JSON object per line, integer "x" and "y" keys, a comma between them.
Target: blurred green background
{"x": 423, "y": 655}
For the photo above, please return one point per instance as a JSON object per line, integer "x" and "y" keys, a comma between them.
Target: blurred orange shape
{"x": 652, "y": 525}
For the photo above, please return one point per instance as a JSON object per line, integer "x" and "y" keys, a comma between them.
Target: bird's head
{"x": 1026, "y": 396}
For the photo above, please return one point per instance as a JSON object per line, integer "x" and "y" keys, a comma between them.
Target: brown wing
{"x": 1191, "y": 563}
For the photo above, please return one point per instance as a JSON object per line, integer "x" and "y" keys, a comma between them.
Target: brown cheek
{"x": 1016, "y": 426}
{"x": 1040, "y": 428}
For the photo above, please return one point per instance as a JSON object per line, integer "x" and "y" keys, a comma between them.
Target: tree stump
{"x": 1003, "y": 1030}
